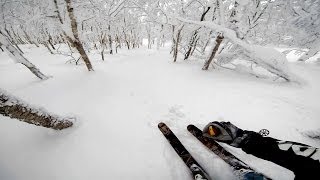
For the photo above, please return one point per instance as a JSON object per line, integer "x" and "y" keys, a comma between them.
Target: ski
{"x": 241, "y": 170}
{"x": 197, "y": 171}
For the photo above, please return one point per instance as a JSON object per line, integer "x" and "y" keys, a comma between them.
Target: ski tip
{"x": 191, "y": 127}
{"x": 161, "y": 124}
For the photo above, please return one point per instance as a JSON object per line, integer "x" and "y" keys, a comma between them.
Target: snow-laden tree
{"x": 69, "y": 27}
{"x": 197, "y": 28}
{"x": 294, "y": 24}
{"x": 99, "y": 25}
{"x": 229, "y": 24}
{"x": 305, "y": 20}
{"x": 16, "y": 55}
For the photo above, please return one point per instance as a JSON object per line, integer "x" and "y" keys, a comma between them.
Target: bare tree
{"x": 18, "y": 57}
{"x": 73, "y": 38}
{"x": 193, "y": 41}
{"x": 176, "y": 40}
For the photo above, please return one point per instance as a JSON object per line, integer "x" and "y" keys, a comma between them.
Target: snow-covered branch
{"x": 16, "y": 55}
{"x": 15, "y": 108}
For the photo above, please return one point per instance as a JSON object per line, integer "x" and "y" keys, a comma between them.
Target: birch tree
{"x": 73, "y": 37}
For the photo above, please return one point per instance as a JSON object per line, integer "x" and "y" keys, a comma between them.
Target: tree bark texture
{"x": 76, "y": 41}
{"x": 47, "y": 46}
{"x": 213, "y": 53}
{"x": 14, "y": 108}
{"x": 191, "y": 45}
{"x": 176, "y": 46}
{"x": 110, "y": 44}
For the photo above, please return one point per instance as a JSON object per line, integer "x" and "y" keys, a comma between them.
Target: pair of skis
{"x": 240, "y": 169}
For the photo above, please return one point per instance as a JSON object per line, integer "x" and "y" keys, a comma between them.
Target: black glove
{"x": 225, "y": 132}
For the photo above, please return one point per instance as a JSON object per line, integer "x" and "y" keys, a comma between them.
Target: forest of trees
{"x": 233, "y": 34}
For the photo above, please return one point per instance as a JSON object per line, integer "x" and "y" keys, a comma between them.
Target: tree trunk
{"x": 18, "y": 57}
{"x": 12, "y": 41}
{"x": 46, "y": 45}
{"x": 173, "y": 39}
{"x": 102, "y": 53}
{"x": 206, "y": 44}
{"x": 14, "y": 108}
{"x": 57, "y": 11}
{"x": 76, "y": 41}
{"x": 176, "y": 48}
{"x": 17, "y": 37}
{"x": 128, "y": 44}
{"x": 52, "y": 46}
{"x": 110, "y": 44}
{"x": 149, "y": 40}
{"x": 312, "y": 52}
{"x": 194, "y": 47}
{"x": 192, "y": 43}
{"x": 110, "y": 40}
{"x": 28, "y": 38}
{"x": 214, "y": 51}
{"x": 50, "y": 42}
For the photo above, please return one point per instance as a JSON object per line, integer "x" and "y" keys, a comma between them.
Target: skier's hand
{"x": 224, "y": 132}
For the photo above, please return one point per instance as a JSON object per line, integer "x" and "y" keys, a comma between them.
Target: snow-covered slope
{"x": 119, "y": 105}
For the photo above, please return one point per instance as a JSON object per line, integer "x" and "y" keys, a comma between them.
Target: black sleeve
{"x": 302, "y": 159}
